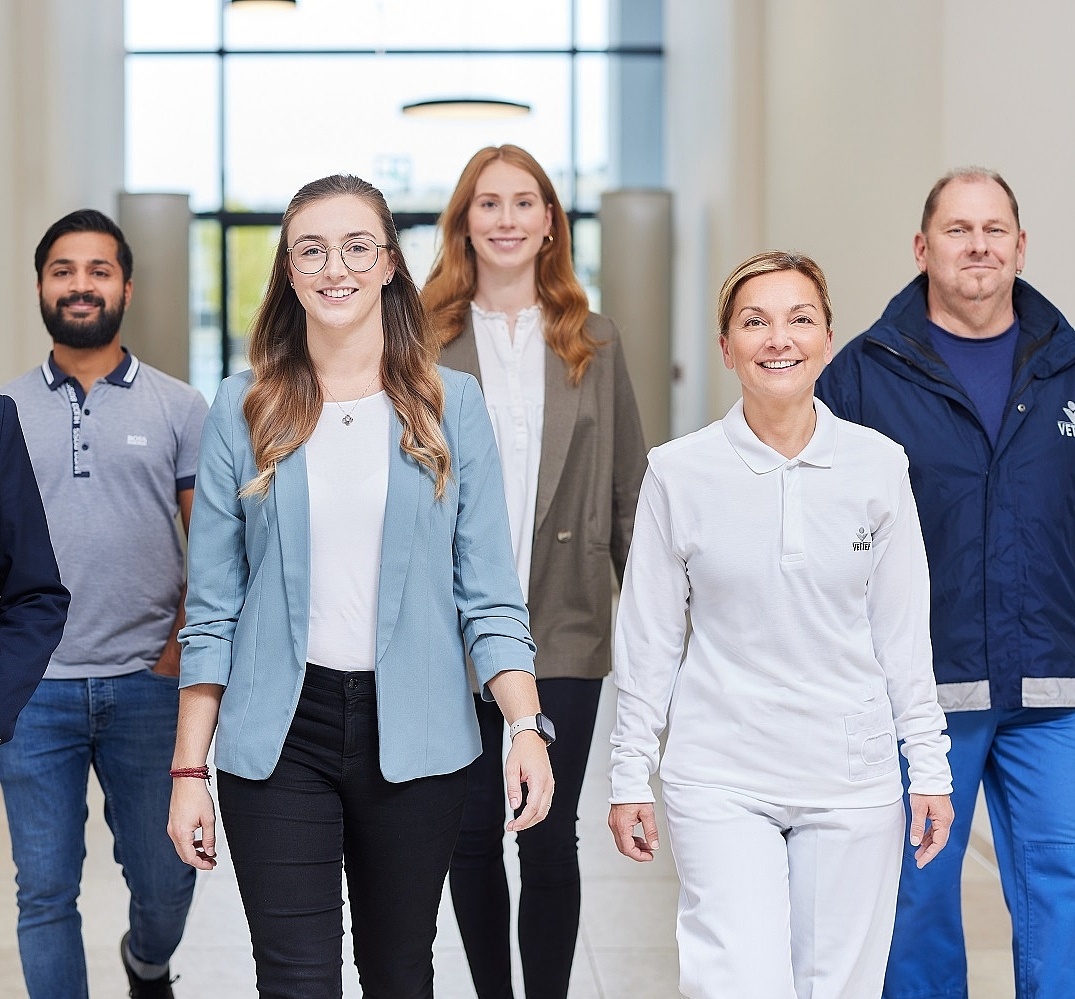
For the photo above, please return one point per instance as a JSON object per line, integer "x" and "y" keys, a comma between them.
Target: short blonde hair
{"x": 770, "y": 262}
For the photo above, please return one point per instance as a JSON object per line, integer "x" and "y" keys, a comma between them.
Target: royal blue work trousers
{"x": 1026, "y": 761}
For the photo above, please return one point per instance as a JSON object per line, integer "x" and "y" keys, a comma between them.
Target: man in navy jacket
{"x": 973, "y": 372}
{"x": 33, "y": 601}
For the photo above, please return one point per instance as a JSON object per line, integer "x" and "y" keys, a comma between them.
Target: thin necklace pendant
{"x": 348, "y": 419}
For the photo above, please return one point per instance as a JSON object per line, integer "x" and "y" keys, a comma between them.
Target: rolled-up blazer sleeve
{"x": 217, "y": 558}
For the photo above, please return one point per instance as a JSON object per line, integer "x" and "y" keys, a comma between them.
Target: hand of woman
{"x": 622, "y": 820}
{"x": 192, "y": 809}
{"x": 528, "y": 763}
{"x": 937, "y": 808}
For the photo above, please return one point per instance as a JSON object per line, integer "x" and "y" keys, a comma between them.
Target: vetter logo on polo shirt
{"x": 139, "y": 440}
{"x": 862, "y": 542}
{"x": 1068, "y": 428}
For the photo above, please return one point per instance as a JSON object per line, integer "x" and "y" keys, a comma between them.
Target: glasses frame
{"x": 328, "y": 250}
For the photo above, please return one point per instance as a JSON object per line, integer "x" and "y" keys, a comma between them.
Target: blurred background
{"x": 816, "y": 125}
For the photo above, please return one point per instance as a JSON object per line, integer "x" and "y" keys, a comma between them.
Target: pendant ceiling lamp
{"x": 466, "y": 107}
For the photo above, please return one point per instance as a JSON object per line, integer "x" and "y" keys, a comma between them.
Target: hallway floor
{"x": 626, "y": 945}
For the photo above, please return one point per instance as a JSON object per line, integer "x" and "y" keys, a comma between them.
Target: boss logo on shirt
{"x": 139, "y": 440}
{"x": 1067, "y": 428}
{"x": 862, "y": 542}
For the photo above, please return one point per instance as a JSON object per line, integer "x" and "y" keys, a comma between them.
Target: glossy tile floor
{"x": 626, "y": 944}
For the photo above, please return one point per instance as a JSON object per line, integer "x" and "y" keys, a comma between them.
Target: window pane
{"x": 173, "y": 127}
{"x": 419, "y": 245}
{"x": 250, "y": 256}
{"x": 191, "y": 24}
{"x": 591, "y": 24}
{"x": 592, "y": 132}
{"x": 205, "y": 361}
{"x": 586, "y": 253}
{"x": 370, "y": 25}
{"x": 283, "y": 131}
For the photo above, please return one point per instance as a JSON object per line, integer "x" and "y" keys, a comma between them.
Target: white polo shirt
{"x": 807, "y": 589}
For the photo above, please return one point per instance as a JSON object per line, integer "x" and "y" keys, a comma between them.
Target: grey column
{"x": 636, "y": 293}
{"x": 157, "y": 325}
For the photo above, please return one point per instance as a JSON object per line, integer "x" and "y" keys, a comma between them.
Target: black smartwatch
{"x": 541, "y": 724}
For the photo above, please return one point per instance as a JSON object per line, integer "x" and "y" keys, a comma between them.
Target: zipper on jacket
{"x": 913, "y": 363}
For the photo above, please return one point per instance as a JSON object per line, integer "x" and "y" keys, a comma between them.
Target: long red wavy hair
{"x": 453, "y": 281}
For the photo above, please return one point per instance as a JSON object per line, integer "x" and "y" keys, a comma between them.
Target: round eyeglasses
{"x": 308, "y": 256}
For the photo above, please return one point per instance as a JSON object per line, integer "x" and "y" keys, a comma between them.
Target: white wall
{"x": 1009, "y": 85}
{"x": 820, "y": 126}
{"x": 61, "y": 116}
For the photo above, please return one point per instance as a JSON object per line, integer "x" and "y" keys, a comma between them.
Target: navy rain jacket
{"x": 999, "y": 523}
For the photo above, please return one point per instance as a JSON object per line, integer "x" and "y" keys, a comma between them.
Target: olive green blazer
{"x": 593, "y": 457}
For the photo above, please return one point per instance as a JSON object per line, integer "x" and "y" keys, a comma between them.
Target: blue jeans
{"x": 124, "y": 727}
{"x": 1026, "y": 760}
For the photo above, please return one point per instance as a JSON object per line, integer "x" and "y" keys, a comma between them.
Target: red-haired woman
{"x": 509, "y": 309}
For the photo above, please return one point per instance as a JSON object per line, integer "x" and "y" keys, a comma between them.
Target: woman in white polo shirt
{"x": 791, "y": 540}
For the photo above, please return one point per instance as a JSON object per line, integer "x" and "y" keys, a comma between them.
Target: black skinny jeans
{"x": 326, "y": 807}
{"x": 548, "y": 854}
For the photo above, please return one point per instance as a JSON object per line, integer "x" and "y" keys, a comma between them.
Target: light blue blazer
{"x": 448, "y": 587}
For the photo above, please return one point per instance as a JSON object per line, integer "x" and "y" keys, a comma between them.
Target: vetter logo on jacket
{"x": 862, "y": 542}
{"x": 1068, "y": 428}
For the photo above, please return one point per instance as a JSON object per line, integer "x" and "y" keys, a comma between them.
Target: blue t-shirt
{"x": 983, "y": 368}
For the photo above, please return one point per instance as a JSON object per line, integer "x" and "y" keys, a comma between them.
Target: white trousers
{"x": 780, "y": 902}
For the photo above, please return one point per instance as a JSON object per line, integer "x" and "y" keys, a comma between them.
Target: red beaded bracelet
{"x": 200, "y": 772}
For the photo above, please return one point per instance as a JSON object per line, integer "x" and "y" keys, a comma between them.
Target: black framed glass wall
{"x": 241, "y": 107}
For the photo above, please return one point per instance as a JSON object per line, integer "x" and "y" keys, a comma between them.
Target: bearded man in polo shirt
{"x": 114, "y": 445}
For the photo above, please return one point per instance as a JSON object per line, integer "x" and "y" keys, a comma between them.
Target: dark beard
{"x": 82, "y": 334}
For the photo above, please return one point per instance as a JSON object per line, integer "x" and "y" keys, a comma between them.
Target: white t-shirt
{"x": 513, "y": 382}
{"x": 347, "y": 470}
{"x": 808, "y": 593}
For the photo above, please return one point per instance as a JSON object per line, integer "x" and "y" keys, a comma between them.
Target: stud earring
{"x": 548, "y": 236}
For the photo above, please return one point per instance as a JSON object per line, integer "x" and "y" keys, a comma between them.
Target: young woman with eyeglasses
{"x": 509, "y": 309}
{"x": 349, "y": 549}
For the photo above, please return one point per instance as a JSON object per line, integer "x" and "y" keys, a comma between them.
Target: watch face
{"x": 546, "y": 729}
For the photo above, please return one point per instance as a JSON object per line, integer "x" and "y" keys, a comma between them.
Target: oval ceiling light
{"x": 267, "y": 4}
{"x": 466, "y": 107}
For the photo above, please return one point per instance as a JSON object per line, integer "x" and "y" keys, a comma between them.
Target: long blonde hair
{"x": 284, "y": 402}
{"x": 453, "y": 281}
